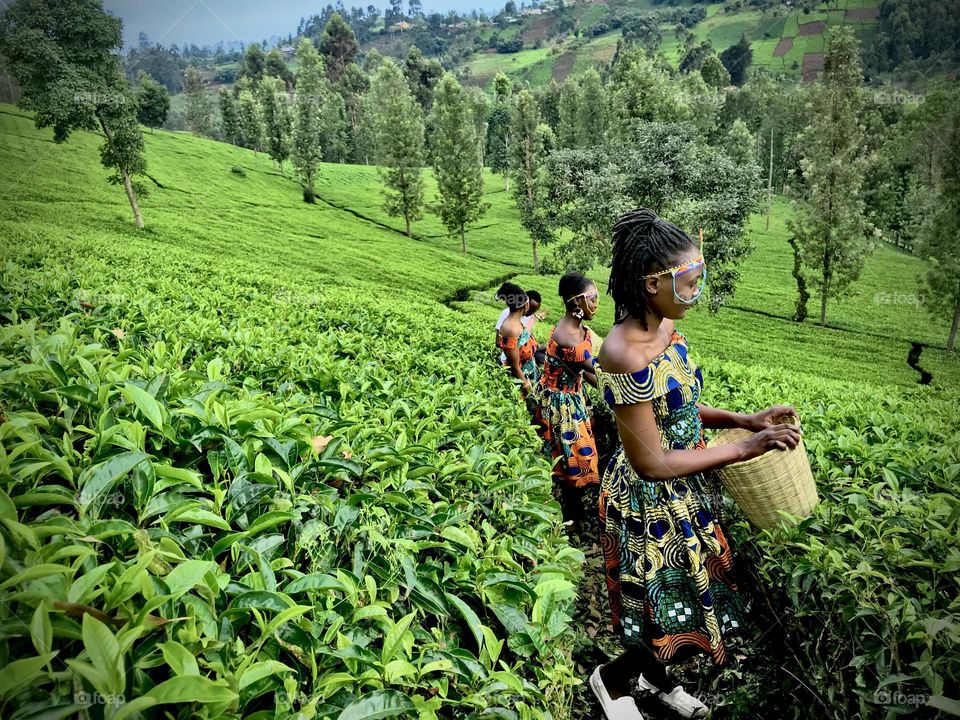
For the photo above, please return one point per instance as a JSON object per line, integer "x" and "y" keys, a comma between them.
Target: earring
{"x": 578, "y": 313}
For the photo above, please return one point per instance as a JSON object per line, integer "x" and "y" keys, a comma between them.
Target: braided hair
{"x": 643, "y": 243}
{"x": 513, "y": 295}
{"x": 571, "y": 285}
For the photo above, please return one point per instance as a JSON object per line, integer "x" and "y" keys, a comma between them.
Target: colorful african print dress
{"x": 669, "y": 566}
{"x": 565, "y": 413}
{"x": 526, "y": 343}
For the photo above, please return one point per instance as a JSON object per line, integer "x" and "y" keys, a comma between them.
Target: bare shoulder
{"x": 511, "y": 328}
{"x": 564, "y": 336}
{"x": 621, "y": 352}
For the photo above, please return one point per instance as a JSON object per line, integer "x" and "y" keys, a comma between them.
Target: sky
{"x": 205, "y": 22}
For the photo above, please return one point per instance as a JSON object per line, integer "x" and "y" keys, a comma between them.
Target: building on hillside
{"x": 532, "y": 11}
{"x": 287, "y": 51}
{"x": 399, "y": 27}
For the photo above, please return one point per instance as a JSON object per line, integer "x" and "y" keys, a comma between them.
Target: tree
{"x": 399, "y": 132}
{"x": 740, "y": 144}
{"x": 498, "y": 142}
{"x": 569, "y": 130}
{"x": 275, "y": 110}
{"x": 352, "y": 87}
{"x": 307, "y": 132}
{"x": 830, "y": 227}
{"x": 251, "y": 121}
{"x": 422, "y": 76}
{"x": 501, "y": 88}
{"x": 338, "y": 46}
{"x": 937, "y": 241}
{"x": 153, "y": 101}
{"x": 229, "y": 117}
{"x": 480, "y": 110}
{"x": 714, "y": 73}
{"x": 667, "y": 167}
{"x": 592, "y": 122}
{"x": 254, "y": 63}
{"x": 736, "y": 59}
{"x": 639, "y": 91}
{"x": 527, "y": 137}
{"x": 277, "y": 68}
{"x": 456, "y": 159}
{"x": 73, "y": 80}
{"x": 198, "y": 111}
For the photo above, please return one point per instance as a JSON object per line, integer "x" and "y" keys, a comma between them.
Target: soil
{"x": 814, "y": 28}
{"x": 812, "y": 66}
{"x": 783, "y": 47}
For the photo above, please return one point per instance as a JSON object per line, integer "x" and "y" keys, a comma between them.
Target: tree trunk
{"x": 951, "y": 341}
{"x": 770, "y": 181}
{"x": 536, "y": 260}
{"x": 127, "y": 185}
{"x": 800, "y": 314}
{"x": 406, "y": 219}
{"x": 824, "y": 287}
{"x": 463, "y": 239}
{"x": 506, "y": 181}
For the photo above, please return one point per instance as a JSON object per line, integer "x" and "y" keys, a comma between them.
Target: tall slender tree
{"x": 72, "y": 80}
{"x": 275, "y": 109}
{"x": 251, "y": 121}
{"x": 527, "y": 136}
{"x": 229, "y": 116}
{"x": 307, "y": 131}
{"x": 456, "y": 159}
{"x": 399, "y": 135}
{"x": 198, "y": 102}
{"x": 830, "y": 227}
{"x": 937, "y": 241}
{"x": 593, "y": 110}
{"x": 568, "y": 132}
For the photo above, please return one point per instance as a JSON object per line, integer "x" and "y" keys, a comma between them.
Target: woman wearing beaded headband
{"x": 669, "y": 566}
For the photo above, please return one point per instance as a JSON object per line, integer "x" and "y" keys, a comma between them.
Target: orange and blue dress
{"x": 669, "y": 566}
{"x": 526, "y": 343}
{"x": 565, "y": 412}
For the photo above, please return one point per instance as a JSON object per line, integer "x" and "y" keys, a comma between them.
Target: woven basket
{"x": 778, "y": 480}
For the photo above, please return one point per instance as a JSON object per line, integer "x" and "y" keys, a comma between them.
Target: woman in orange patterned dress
{"x": 564, "y": 406}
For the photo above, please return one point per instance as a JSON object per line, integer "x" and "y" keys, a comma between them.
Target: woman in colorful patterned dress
{"x": 669, "y": 564}
{"x": 516, "y": 340}
{"x": 564, "y": 406}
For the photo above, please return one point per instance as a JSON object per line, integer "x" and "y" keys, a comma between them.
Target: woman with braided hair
{"x": 669, "y": 565}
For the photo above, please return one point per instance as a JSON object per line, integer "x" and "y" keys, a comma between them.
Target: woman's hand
{"x": 527, "y": 385}
{"x": 767, "y": 418}
{"x": 782, "y": 437}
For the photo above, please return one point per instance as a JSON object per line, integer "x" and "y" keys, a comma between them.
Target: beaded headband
{"x": 685, "y": 267}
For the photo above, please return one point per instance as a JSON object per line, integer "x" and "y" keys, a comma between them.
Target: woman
{"x": 564, "y": 406}
{"x": 529, "y": 319}
{"x": 515, "y": 339}
{"x": 669, "y": 564}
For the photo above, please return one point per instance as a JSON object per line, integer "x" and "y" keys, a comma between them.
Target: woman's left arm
{"x": 716, "y": 418}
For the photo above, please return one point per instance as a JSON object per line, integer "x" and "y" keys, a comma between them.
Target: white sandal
{"x": 623, "y": 708}
{"x": 678, "y": 699}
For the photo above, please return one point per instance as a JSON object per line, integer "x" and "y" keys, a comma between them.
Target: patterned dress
{"x": 526, "y": 343}
{"x": 565, "y": 413}
{"x": 669, "y": 566}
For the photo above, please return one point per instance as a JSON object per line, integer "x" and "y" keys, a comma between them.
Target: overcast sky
{"x": 207, "y": 21}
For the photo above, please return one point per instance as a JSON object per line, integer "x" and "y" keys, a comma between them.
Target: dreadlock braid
{"x": 642, "y": 244}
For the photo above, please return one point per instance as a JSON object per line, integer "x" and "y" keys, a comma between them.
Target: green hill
{"x": 259, "y": 455}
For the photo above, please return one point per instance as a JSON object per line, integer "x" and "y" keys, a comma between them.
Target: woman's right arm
{"x": 641, "y": 444}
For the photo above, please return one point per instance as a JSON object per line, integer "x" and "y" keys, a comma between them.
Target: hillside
{"x": 259, "y": 454}
{"x": 556, "y": 44}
